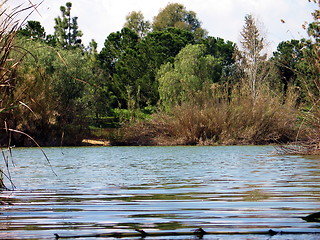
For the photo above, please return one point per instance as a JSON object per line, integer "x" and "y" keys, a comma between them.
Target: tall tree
{"x": 287, "y": 58}
{"x": 67, "y": 32}
{"x": 115, "y": 45}
{"x": 190, "y": 77}
{"x": 224, "y": 51}
{"x": 176, "y": 15}
{"x": 251, "y": 58}
{"x": 136, "y": 69}
{"x": 135, "y": 21}
{"x": 33, "y": 30}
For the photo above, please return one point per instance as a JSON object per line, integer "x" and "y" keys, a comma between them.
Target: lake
{"x": 223, "y": 189}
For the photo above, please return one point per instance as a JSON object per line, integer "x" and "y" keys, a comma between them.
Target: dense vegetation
{"x": 165, "y": 82}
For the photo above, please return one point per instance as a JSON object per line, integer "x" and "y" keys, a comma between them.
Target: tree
{"x": 33, "y": 30}
{"x": 251, "y": 58}
{"x": 67, "y": 33}
{"x": 115, "y": 46}
{"x": 92, "y": 50}
{"x": 97, "y": 97}
{"x": 50, "y": 82}
{"x": 312, "y": 55}
{"x": 135, "y": 21}
{"x": 189, "y": 78}
{"x": 176, "y": 15}
{"x": 314, "y": 27}
{"x": 135, "y": 72}
{"x": 224, "y": 51}
{"x": 287, "y": 58}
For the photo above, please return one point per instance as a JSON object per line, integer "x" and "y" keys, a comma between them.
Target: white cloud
{"x": 98, "y": 18}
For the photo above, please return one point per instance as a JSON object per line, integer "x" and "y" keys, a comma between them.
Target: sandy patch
{"x": 95, "y": 142}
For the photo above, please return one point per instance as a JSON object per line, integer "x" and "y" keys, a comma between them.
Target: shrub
{"x": 222, "y": 119}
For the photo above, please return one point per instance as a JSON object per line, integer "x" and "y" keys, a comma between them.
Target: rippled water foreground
{"x": 159, "y": 189}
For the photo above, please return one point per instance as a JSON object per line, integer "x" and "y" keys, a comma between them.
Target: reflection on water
{"x": 108, "y": 189}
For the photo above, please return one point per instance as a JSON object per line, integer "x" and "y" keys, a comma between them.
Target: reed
{"x": 237, "y": 120}
{"x": 221, "y": 119}
{"x": 9, "y": 24}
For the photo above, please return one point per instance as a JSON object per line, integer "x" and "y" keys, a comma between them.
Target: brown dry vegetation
{"x": 220, "y": 120}
{"x": 310, "y": 124}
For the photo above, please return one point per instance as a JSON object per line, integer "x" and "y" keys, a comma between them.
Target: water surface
{"x": 118, "y": 189}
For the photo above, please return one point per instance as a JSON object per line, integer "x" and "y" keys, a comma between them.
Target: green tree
{"x": 67, "y": 33}
{"x": 176, "y": 15}
{"x": 135, "y": 21}
{"x": 287, "y": 58}
{"x": 189, "y": 78}
{"x": 92, "y": 51}
{"x": 136, "y": 70}
{"x": 224, "y": 51}
{"x": 115, "y": 46}
{"x": 33, "y": 30}
{"x": 51, "y": 81}
{"x": 312, "y": 56}
{"x": 98, "y": 97}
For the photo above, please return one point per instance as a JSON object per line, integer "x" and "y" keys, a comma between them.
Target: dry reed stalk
{"x": 9, "y": 25}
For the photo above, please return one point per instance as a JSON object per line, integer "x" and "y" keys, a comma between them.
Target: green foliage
{"x": 189, "y": 78}
{"x": 50, "y": 82}
{"x": 33, "y": 30}
{"x": 195, "y": 69}
{"x": 288, "y": 59}
{"x": 98, "y": 97}
{"x": 218, "y": 48}
{"x": 67, "y": 33}
{"x": 115, "y": 46}
{"x": 135, "y": 21}
{"x": 175, "y": 15}
{"x": 314, "y": 27}
{"x": 137, "y": 67}
{"x": 205, "y": 84}
{"x": 296, "y": 64}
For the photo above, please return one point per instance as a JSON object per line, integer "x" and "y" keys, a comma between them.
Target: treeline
{"x": 163, "y": 82}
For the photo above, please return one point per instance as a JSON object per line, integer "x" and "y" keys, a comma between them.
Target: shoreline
{"x": 95, "y": 142}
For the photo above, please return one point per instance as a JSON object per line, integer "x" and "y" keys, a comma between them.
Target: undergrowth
{"x": 221, "y": 119}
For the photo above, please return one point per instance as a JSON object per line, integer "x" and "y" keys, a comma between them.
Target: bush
{"x": 220, "y": 120}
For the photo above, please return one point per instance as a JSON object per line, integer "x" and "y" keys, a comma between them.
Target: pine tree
{"x": 67, "y": 33}
{"x": 251, "y": 57}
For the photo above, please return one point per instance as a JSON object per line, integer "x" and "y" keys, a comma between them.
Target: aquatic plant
{"x": 8, "y": 27}
{"x": 9, "y": 24}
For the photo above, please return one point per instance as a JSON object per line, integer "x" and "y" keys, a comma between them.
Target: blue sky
{"x": 221, "y": 18}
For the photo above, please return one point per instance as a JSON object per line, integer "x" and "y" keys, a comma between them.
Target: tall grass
{"x": 9, "y": 24}
{"x": 222, "y": 119}
{"x": 8, "y": 27}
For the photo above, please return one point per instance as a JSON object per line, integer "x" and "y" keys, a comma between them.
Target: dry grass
{"x": 9, "y": 24}
{"x": 219, "y": 120}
